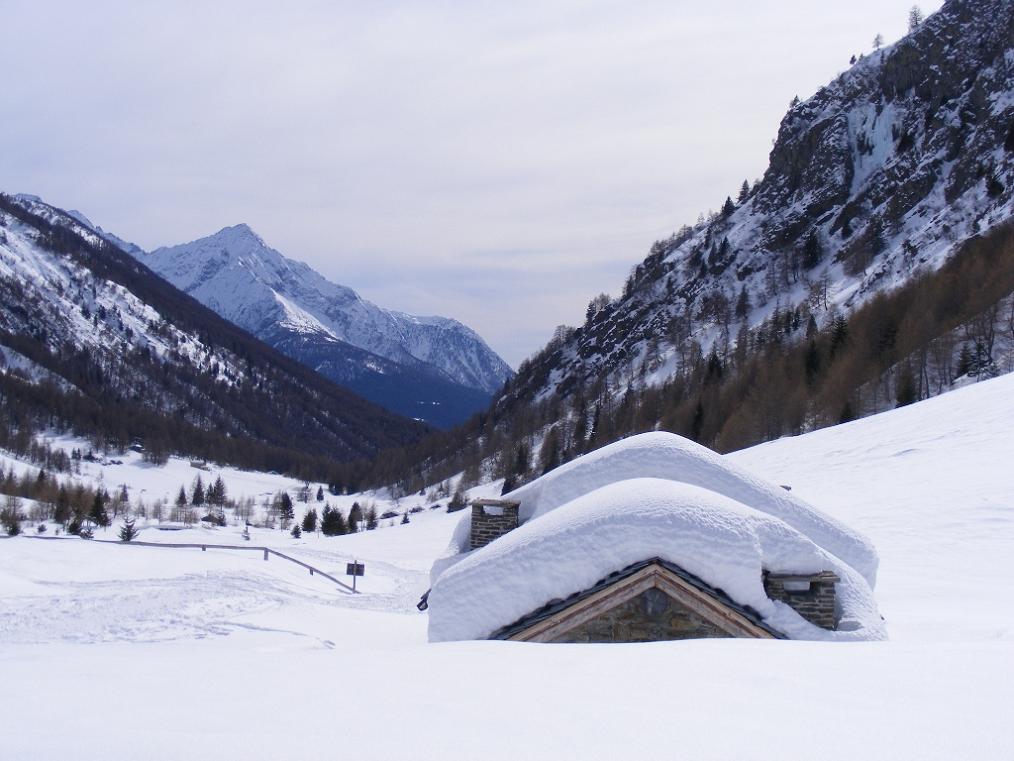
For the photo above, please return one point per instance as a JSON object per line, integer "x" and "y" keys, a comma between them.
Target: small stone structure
{"x": 810, "y": 595}
{"x": 491, "y": 519}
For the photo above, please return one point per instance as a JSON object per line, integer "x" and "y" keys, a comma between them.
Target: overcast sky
{"x": 496, "y": 162}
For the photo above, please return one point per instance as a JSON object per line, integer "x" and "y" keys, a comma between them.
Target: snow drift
{"x": 569, "y": 547}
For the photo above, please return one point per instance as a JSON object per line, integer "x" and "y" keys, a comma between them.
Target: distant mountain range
{"x": 430, "y": 368}
{"x": 94, "y": 342}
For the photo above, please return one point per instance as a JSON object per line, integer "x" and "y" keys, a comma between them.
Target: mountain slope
{"x": 872, "y": 266}
{"x": 433, "y": 368}
{"x": 97, "y": 343}
{"x": 929, "y": 484}
{"x": 877, "y": 177}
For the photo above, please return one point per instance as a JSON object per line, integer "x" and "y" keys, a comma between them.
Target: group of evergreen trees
{"x": 78, "y": 508}
{"x": 332, "y": 522}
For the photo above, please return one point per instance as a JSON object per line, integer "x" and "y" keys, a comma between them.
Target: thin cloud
{"x": 499, "y": 163}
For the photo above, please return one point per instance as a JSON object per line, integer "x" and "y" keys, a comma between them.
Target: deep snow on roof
{"x": 569, "y": 548}
{"x": 674, "y": 458}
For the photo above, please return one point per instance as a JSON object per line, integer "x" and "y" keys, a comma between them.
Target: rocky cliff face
{"x": 878, "y": 176}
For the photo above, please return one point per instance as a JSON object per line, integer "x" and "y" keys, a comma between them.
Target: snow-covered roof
{"x": 674, "y": 458}
{"x": 568, "y": 549}
{"x": 652, "y": 495}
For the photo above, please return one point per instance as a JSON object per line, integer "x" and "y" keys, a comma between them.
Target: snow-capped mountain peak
{"x": 245, "y": 280}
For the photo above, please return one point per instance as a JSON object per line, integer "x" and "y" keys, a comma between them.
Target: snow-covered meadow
{"x": 110, "y": 651}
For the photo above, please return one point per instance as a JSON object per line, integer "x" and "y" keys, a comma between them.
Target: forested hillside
{"x": 94, "y": 343}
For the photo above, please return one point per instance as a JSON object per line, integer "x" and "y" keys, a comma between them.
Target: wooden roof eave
{"x": 731, "y": 619}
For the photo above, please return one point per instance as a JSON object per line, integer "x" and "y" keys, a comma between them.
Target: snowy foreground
{"x": 110, "y": 652}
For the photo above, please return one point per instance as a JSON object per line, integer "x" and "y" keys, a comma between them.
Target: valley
{"x": 214, "y": 639}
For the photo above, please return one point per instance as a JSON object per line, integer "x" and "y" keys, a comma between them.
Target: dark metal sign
{"x": 354, "y": 569}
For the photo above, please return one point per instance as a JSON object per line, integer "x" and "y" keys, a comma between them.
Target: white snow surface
{"x": 723, "y": 542}
{"x": 110, "y": 652}
{"x": 675, "y": 458}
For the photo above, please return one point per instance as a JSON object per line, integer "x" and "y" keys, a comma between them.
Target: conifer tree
{"x": 98, "y": 514}
{"x": 310, "y": 520}
{"x": 839, "y": 334}
{"x": 915, "y": 18}
{"x": 61, "y": 513}
{"x": 355, "y": 517}
{"x": 181, "y": 498}
{"x": 217, "y": 493}
{"x": 285, "y": 511}
{"x": 371, "y": 518}
{"x": 127, "y": 530}
{"x": 744, "y": 191}
{"x": 332, "y": 522}
{"x": 296, "y": 532}
{"x": 320, "y": 493}
{"x": 404, "y": 518}
{"x": 549, "y": 455}
{"x": 197, "y": 495}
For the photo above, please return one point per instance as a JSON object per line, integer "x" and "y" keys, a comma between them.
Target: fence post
{"x": 265, "y": 553}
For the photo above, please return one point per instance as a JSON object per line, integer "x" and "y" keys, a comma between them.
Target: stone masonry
{"x": 811, "y": 596}
{"x": 491, "y": 519}
{"x": 651, "y": 616}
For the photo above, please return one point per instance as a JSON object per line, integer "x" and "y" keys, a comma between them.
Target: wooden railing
{"x": 204, "y": 547}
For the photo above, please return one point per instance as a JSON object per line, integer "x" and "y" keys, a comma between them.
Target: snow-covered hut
{"x": 652, "y": 538}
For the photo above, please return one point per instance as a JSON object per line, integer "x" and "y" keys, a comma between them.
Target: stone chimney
{"x": 810, "y": 595}
{"x": 491, "y": 519}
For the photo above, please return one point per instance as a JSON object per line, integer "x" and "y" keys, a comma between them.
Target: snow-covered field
{"x": 114, "y": 652}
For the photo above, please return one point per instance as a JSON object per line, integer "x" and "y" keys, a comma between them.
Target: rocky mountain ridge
{"x": 877, "y": 177}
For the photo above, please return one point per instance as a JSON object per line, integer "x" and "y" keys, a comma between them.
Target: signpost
{"x": 354, "y": 569}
